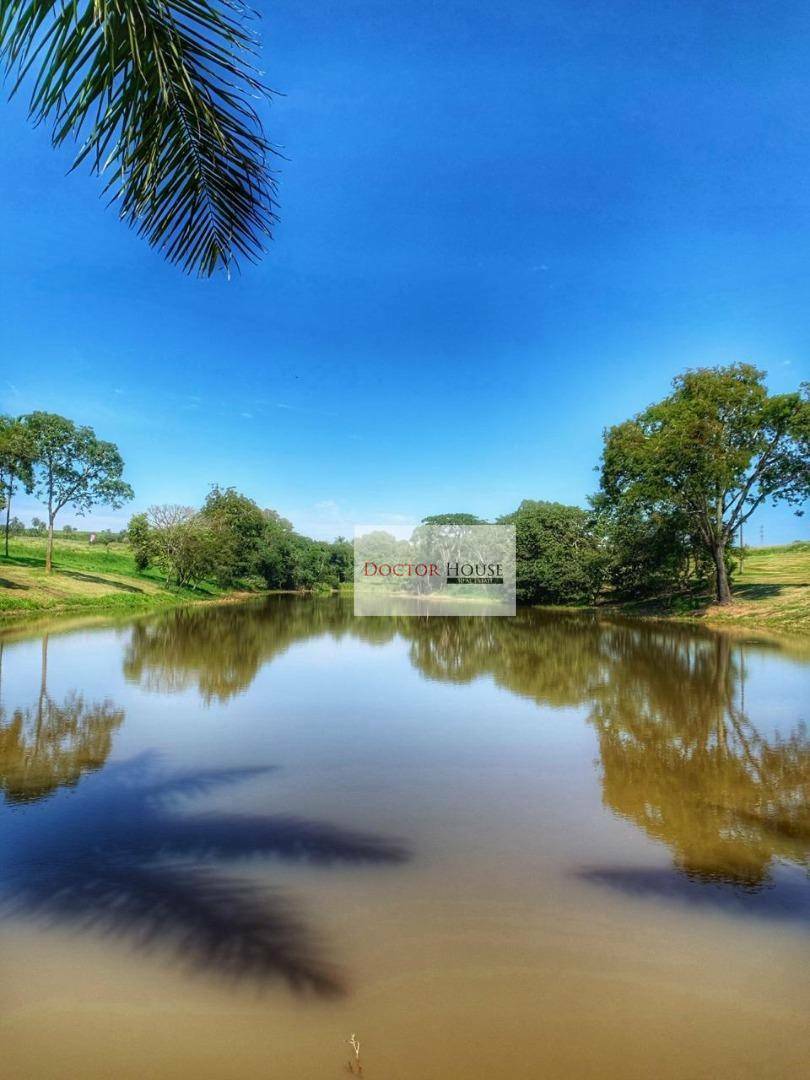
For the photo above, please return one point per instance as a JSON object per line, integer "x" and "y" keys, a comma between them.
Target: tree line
{"x": 677, "y": 482}
{"x": 232, "y": 541}
{"x": 38, "y": 527}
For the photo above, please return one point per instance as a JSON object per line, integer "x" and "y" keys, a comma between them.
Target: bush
{"x": 253, "y": 583}
{"x": 140, "y": 540}
{"x": 321, "y": 588}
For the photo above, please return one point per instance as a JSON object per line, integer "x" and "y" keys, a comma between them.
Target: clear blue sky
{"x": 503, "y": 227}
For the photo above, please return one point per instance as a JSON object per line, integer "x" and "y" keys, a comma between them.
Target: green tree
{"x": 559, "y": 559}
{"x": 452, "y": 519}
{"x": 648, "y": 552}
{"x": 313, "y": 567}
{"x": 159, "y": 93}
{"x": 74, "y": 468}
{"x": 288, "y": 560}
{"x": 442, "y": 538}
{"x": 341, "y": 557}
{"x": 183, "y": 543}
{"x": 139, "y": 536}
{"x": 714, "y": 450}
{"x": 276, "y": 552}
{"x": 16, "y": 464}
{"x": 238, "y": 526}
{"x": 39, "y": 526}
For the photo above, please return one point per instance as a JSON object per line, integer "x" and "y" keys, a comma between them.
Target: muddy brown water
{"x": 546, "y": 847}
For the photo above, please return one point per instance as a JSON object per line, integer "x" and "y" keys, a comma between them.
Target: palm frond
{"x": 161, "y": 94}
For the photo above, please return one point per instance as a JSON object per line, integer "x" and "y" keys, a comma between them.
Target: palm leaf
{"x": 161, "y": 94}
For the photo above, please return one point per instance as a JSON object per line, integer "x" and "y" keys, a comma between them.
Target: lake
{"x": 549, "y": 846}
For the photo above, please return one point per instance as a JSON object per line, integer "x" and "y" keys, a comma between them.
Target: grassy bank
{"x": 87, "y": 578}
{"x": 771, "y": 592}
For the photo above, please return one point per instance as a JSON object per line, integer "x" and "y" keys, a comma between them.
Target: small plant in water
{"x": 354, "y": 1065}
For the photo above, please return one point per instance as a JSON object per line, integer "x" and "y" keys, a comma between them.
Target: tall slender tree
{"x": 16, "y": 465}
{"x": 74, "y": 468}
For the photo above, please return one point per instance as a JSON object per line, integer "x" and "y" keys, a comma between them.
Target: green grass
{"x": 771, "y": 592}
{"x": 87, "y": 578}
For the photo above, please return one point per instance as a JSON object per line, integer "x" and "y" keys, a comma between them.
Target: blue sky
{"x": 502, "y": 228}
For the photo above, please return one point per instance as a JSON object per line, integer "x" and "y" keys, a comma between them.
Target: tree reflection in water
{"x": 679, "y": 756}
{"x": 52, "y": 744}
{"x": 219, "y": 651}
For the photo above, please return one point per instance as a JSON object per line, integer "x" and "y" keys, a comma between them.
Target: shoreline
{"x": 734, "y": 620}
{"x": 771, "y": 596}
{"x": 111, "y": 605}
{"x": 14, "y": 621}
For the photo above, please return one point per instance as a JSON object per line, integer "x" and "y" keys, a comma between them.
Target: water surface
{"x": 548, "y": 846}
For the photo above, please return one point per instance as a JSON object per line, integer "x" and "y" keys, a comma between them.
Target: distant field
{"x": 787, "y": 565}
{"x": 772, "y": 591}
{"x": 87, "y": 577}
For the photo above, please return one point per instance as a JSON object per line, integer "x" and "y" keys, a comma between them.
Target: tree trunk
{"x": 49, "y": 549}
{"x": 8, "y": 510}
{"x": 721, "y": 574}
{"x": 43, "y": 689}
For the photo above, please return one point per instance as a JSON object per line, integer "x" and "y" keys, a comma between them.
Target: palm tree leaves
{"x": 161, "y": 93}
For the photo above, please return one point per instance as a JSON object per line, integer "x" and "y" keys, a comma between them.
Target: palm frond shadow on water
{"x": 114, "y": 857}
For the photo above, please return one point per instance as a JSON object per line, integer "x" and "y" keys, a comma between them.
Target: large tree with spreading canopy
{"x": 717, "y": 448}
{"x": 74, "y": 468}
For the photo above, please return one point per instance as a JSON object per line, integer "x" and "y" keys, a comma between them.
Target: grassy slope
{"x": 86, "y": 578}
{"x": 773, "y": 590}
{"x": 771, "y": 593}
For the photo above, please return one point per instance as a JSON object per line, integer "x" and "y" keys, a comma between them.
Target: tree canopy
{"x": 74, "y": 468}
{"x": 557, "y": 552}
{"x": 713, "y": 451}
